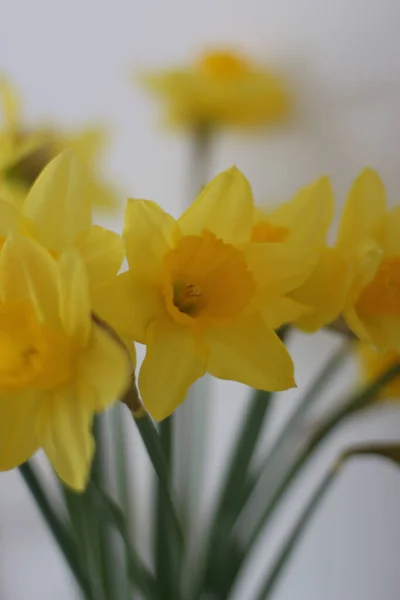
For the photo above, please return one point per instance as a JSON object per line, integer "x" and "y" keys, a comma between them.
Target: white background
{"x": 73, "y": 62}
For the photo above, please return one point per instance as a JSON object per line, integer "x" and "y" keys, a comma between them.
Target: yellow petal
{"x": 363, "y": 267}
{"x": 102, "y": 251}
{"x": 282, "y": 311}
{"x": 391, "y": 243}
{"x": 75, "y": 306}
{"x": 58, "y": 202}
{"x": 87, "y": 144}
{"x": 250, "y": 352}
{"x": 382, "y": 331}
{"x": 324, "y": 292}
{"x": 18, "y": 440}
{"x": 279, "y": 268}
{"x": 105, "y": 367}
{"x": 64, "y": 431}
{"x": 175, "y": 359}
{"x": 9, "y": 218}
{"x": 149, "y": 233}
{"x": 225, "y": 207}
{"x": 356, "y": 324}
{"x": 29, "y": 273}
{"x": 308, "y": 215}
{"x": 364, "y": 213}
{"x": 128, "y": 303}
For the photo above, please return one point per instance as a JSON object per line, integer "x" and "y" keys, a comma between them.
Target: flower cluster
{"x": 205, "y": 293}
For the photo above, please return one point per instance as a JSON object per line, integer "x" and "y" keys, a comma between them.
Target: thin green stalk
{"x": 59, "y": 531}
{"x": 106, "y": 562}
{"x": 235, "y": 490}
{"x": 273, "y": 460}
{"x": 152, "y": 442}
{"x": 290, "y": 545}
{"x": 123, "y": 479}
{"x": 165, "y": 582}
{"x": 138, "y": 573}
{"x": 356, "y": 402}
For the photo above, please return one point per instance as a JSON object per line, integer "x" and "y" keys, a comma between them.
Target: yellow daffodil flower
{"x": 373, "y": 363}
{"x": 24, "y": 152}
{"x": 57, "y": 213}
{"x": 58, "y": 367}
{"x": 196, "y": 291}
{"x": 369, "y": 239}
{"x": 221, "y": 88}
{"x": 304, "y": 222}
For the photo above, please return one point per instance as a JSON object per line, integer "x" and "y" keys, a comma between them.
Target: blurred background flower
{"x": 25, "y": 150}
{"x": 220, "y": 88}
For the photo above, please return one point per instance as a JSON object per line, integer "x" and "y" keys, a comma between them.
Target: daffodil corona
{"x": 196, "y": 292}
{"x": 57, "y": 366}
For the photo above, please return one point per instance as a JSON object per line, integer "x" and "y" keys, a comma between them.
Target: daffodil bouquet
{"x": 219, "y": 291}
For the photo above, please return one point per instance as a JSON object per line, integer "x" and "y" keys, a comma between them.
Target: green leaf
{"x": 166, "y": 576}
{"x": 139, "y": 575}
{"x": 268, "y": 586}
{"x": 356, "y": 402}
{"x": 387, "y": 451}
{"x": 390, "y": 451}
{"x": 58, "y": 529}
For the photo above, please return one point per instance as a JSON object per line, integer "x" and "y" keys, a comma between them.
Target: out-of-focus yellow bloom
{"x": 24, "y": 152}
{"x": 196, "y": 292}
{"x": 57, "y": 213}
{"x": 304, "y": 222}
{"x": 221, "y": 88}
{"x": 373, "y": 363}
{"x": 369, "y": 239}
{"x": 57, "y": 366}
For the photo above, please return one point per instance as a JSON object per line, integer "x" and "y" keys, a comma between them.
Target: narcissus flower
{"x": 374, "y": 363}
{"x": 221, "y": 88}
{"x": 304, "y": 222}
{"x": 57, "y": 366}
{"x": 57, "y": 213}
{"x": 369, "y": 239}
{"x": 196, "y": 292}
{"x": 25, "y": 151}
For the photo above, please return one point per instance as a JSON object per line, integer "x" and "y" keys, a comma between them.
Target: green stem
{"x": 295, "y": 535}
{"x": 59, "y": 531}
{"x": 355, "y": 403}
{"x": 137, "y": 572}
{"x": 152, "y": 442}
{"x": 101, "y": 544}
{"x": 162, "y": 558}
{"x": 285, "y": 439}
{"x": 123, "y": 477}
{"x": 235, "y": 491}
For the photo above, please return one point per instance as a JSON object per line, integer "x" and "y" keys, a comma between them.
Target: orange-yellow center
{"x": 206, "y": 280}
{"x": 266, "y": 232}
{"x": 223, "y": 65}
{"x": 31, "y": 354}
{"x": 382, "y": 295}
